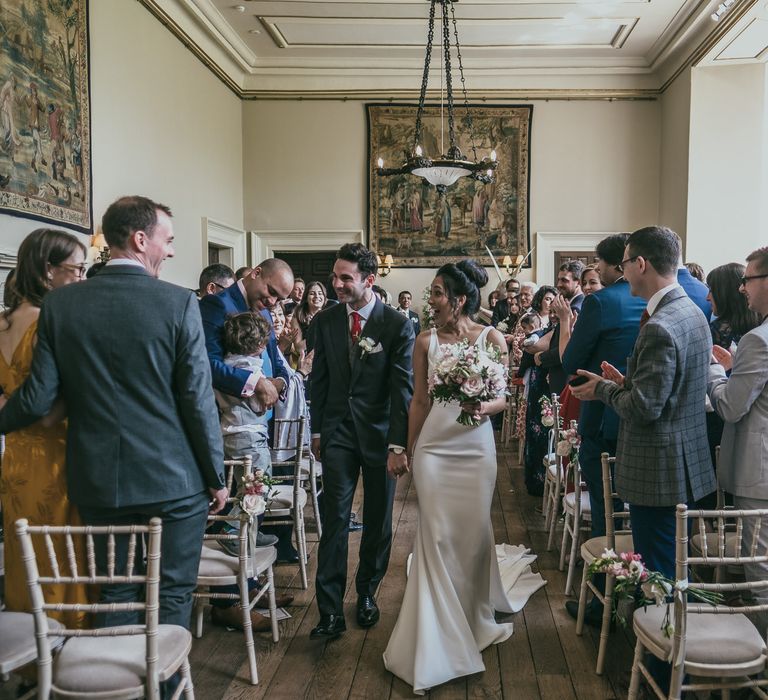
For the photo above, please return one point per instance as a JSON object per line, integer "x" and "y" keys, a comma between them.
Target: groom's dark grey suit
{"x": 127, "y": 353}
{"x": 359, "y": 407}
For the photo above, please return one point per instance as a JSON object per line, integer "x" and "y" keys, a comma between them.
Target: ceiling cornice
{"x": 686, "y": 43}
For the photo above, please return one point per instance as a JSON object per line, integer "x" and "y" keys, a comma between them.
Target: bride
{"x": 457, "y": 577}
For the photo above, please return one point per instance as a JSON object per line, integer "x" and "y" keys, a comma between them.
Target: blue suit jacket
{"x": 605, "y": 330}
{"x": 214, "y": 310}
{"x": 696, "y": 291}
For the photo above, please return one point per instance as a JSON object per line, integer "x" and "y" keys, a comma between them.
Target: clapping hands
{"x": 722, "y": 357}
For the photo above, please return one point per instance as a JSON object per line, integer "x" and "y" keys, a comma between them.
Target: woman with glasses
{"x": 33, "y": 482}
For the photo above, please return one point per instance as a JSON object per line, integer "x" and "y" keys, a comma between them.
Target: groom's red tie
{"x": 357, "y": 327}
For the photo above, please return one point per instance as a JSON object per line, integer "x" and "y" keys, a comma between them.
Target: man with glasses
{"x": 741, "y": 400}
{"x": 662, "y": 455}
{"x": 214, "y": 279}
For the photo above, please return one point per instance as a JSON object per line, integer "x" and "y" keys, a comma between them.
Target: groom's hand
{"x": 397, "y": 465}
{"x": 315, "y": 448}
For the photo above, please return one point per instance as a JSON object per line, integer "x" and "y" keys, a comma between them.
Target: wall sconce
{"x": 513, "y": 267}
{"x": 99, "y": 248}
{"x": 385, "y": 267}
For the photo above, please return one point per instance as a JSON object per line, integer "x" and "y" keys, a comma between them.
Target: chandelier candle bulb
{"x": 380, "y": 163}
{"x": 418, "y": 150}
{"x": 493, "y": 156}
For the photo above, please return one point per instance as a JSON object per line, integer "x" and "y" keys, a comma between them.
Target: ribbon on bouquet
{"x": 681, "y": 589}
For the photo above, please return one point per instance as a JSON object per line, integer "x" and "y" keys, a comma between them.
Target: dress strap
{"x": 481, "y": 338}
{"x": 433, "y": 344}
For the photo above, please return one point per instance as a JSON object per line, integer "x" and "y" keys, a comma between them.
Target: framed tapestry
{"x": 45, "y": 131}
{"x": 407, "y": 217}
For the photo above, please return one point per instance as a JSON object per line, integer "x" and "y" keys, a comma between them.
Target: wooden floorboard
{"x": 544, "y": 659}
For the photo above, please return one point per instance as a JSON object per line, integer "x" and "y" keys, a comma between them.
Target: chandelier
{"x": 444, "y": 170}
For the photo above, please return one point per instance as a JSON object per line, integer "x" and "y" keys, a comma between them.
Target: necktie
{"x": 357, "y": 327}
{"x": 644, "y": 318}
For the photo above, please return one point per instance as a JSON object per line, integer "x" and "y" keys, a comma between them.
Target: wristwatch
{"x": 396, "y": 450}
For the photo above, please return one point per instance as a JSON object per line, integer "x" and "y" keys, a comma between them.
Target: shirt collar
{"x": 241, "y": 286}
{"x": 653, "y": 302}
{"x": 365, "y": 312}
{"x": 125, "y": 261}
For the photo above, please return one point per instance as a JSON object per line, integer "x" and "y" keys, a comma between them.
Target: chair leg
{"x": 582, "y": 602}
{"x": 554, "y": 506}
{"x": 272, "y": 605}
{"x": 564, "y": 543}
{"x": 186, "y": 674}
{"x": 250, "y": 647}
{"x": 199, "y": 609}
{"x": 634, "y": 682}
{"x": 605, "y": 626}
{"x": 301, "y": 537}
{"x": 316, "y": 508}
{"x": 575, "y": 541}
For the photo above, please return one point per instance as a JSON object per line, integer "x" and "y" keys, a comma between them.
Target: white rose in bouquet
{"x": 253, "y": 504}
{"x": 473, "y": 385}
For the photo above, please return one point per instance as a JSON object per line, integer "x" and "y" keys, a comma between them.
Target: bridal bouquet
{"x": 467, "y": 373}
{"x": 636, "y": 583}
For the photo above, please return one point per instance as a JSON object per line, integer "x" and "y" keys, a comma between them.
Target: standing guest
{"x": 242, "y": 272}
{"x": 94, "y": 269}
{"x": 360, "y": 400}
{"x": 286, "y": 336}
{"x": 132, "y": 389}
{"x": 315, "y": 300}
{"x": 382, "y": 293}
{"x": 569, "y": 287}
{"x": 404, "y": 300}
{"x": 590, "y": 280}
{"x": 501, "y": 310}
{"x": 33, "y": 483}
{"x": 493, "y": 298}
{"x": 297, "y": 294}
{"x": 695, "y": 289}
{"x": 742, "y": 402}
{"x": 605, "y": 331}
{"x": 214, "y": 279}
{"x": 696, "y": 270}
{"x": 527, "y": 290}
{"x": 661, "y": 455}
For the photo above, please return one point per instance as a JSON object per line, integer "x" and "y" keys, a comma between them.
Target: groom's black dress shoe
{"x": 329, "y": 627}
{"x": 367, "y": 611}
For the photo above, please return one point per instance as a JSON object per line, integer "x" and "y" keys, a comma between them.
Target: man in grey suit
{"x": 741, "y": 400}
{"x": 662, "y": 457}
{"x": 127, "y": 354}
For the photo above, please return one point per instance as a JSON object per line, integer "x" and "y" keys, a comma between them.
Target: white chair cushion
{"x": 305, "y": 468}
{"x": 594, "y": 547}
{"x": 215, "y": 563}
{"x": 108, "y": 664}
{"x": 550, "y": 458}
{"x": 281, "y": 504}
{"x": 712, "y": 545}
{"x": 569, "y": 502}
{"x": 552, "y": 472}
{"x": 709, "y": 638}
{"x": 17, "y": 639}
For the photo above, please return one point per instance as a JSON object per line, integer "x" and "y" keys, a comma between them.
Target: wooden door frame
{"x": 263, "y": 244}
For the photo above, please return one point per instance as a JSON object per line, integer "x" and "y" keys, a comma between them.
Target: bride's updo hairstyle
{"x": 464, "y": 278}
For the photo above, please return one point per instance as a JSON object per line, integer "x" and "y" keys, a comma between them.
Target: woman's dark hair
{"x": 538, "y": 298}
{"x": 301, "y": 313}
{"x": 245, "y": 333}
{"x": 8, "y": 288}
{"x": 464, "y": 278}
{"x": 42, "y": 247}
{"x": 731, "y": 305}
{"x": 495, "y": 294}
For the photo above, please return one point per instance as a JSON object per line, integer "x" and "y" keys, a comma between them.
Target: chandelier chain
{"x": 425, "y": 76}
{"x": 452, "y": 150}
{"x": 470, "y": 123}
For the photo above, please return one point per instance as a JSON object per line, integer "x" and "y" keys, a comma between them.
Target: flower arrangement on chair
{"x": 636, "y": 583}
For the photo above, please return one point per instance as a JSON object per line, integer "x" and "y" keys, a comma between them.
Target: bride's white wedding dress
{"x": 457, "y": 576}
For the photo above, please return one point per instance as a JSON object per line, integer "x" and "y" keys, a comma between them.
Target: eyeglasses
{"x": 220, "y": 286}
{"x": 79, "y": 270}
{"x": 746, "y": 278}
{"x": 628, "y": 260}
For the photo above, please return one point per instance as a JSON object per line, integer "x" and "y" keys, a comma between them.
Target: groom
{"x": 361, "y": 390}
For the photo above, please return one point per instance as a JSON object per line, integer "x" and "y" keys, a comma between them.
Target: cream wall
{"x": 594, "y": 167}
{"x": 727, "y": 206}
{"x": 673, "y": 179}
{"x": 163, "y": 126}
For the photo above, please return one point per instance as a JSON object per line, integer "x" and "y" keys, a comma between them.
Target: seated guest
{"x": 501, "y": 309}
{"x": 404, "y": 307}
{"x": 33, "y": 483}
{"x": 296, "y": 296}
{"x": 493, "y": 297}
{"x": 527, "y": 290}
{"x": 214, "y": 279}
{"x": 315, "y": 300}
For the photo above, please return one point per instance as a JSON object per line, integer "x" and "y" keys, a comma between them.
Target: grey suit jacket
{"x": 662, "y": 454}
{"x": 127, "y": 353}
{"x": 741, "y": 400}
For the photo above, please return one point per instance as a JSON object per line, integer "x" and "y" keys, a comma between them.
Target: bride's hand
{"x": 476, "y": 409}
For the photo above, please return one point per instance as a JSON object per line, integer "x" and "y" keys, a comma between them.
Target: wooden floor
{"x": 543, "y": 659}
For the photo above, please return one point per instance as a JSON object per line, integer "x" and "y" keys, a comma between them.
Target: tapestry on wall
{"x": 45, "y": 139}
{"x": 407, "y": 217}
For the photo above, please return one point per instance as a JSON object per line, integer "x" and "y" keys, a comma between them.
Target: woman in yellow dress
{"x": 33, "y": 482}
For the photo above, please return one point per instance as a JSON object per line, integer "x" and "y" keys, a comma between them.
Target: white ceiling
{"x": 557, "y": 48}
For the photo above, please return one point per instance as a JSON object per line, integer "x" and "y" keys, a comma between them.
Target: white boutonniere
{"x": 502, "y": 327}
{"x": 366, "y": 345}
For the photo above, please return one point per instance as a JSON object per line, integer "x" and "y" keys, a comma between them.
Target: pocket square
{"x": 376, "y": 348}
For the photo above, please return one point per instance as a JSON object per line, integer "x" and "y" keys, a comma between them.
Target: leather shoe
{"x": 233, "y": 617}
{"x": 593, "y": 615}
{"x": 329, "y": 627}
{"x": 281, "y": 601}
{"x": 367, "y": 611}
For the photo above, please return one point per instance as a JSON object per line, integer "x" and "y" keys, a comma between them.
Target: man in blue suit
{"x": 697, "y": 291}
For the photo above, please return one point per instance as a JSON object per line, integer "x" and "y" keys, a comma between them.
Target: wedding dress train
{"x": 457, "y": 577}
